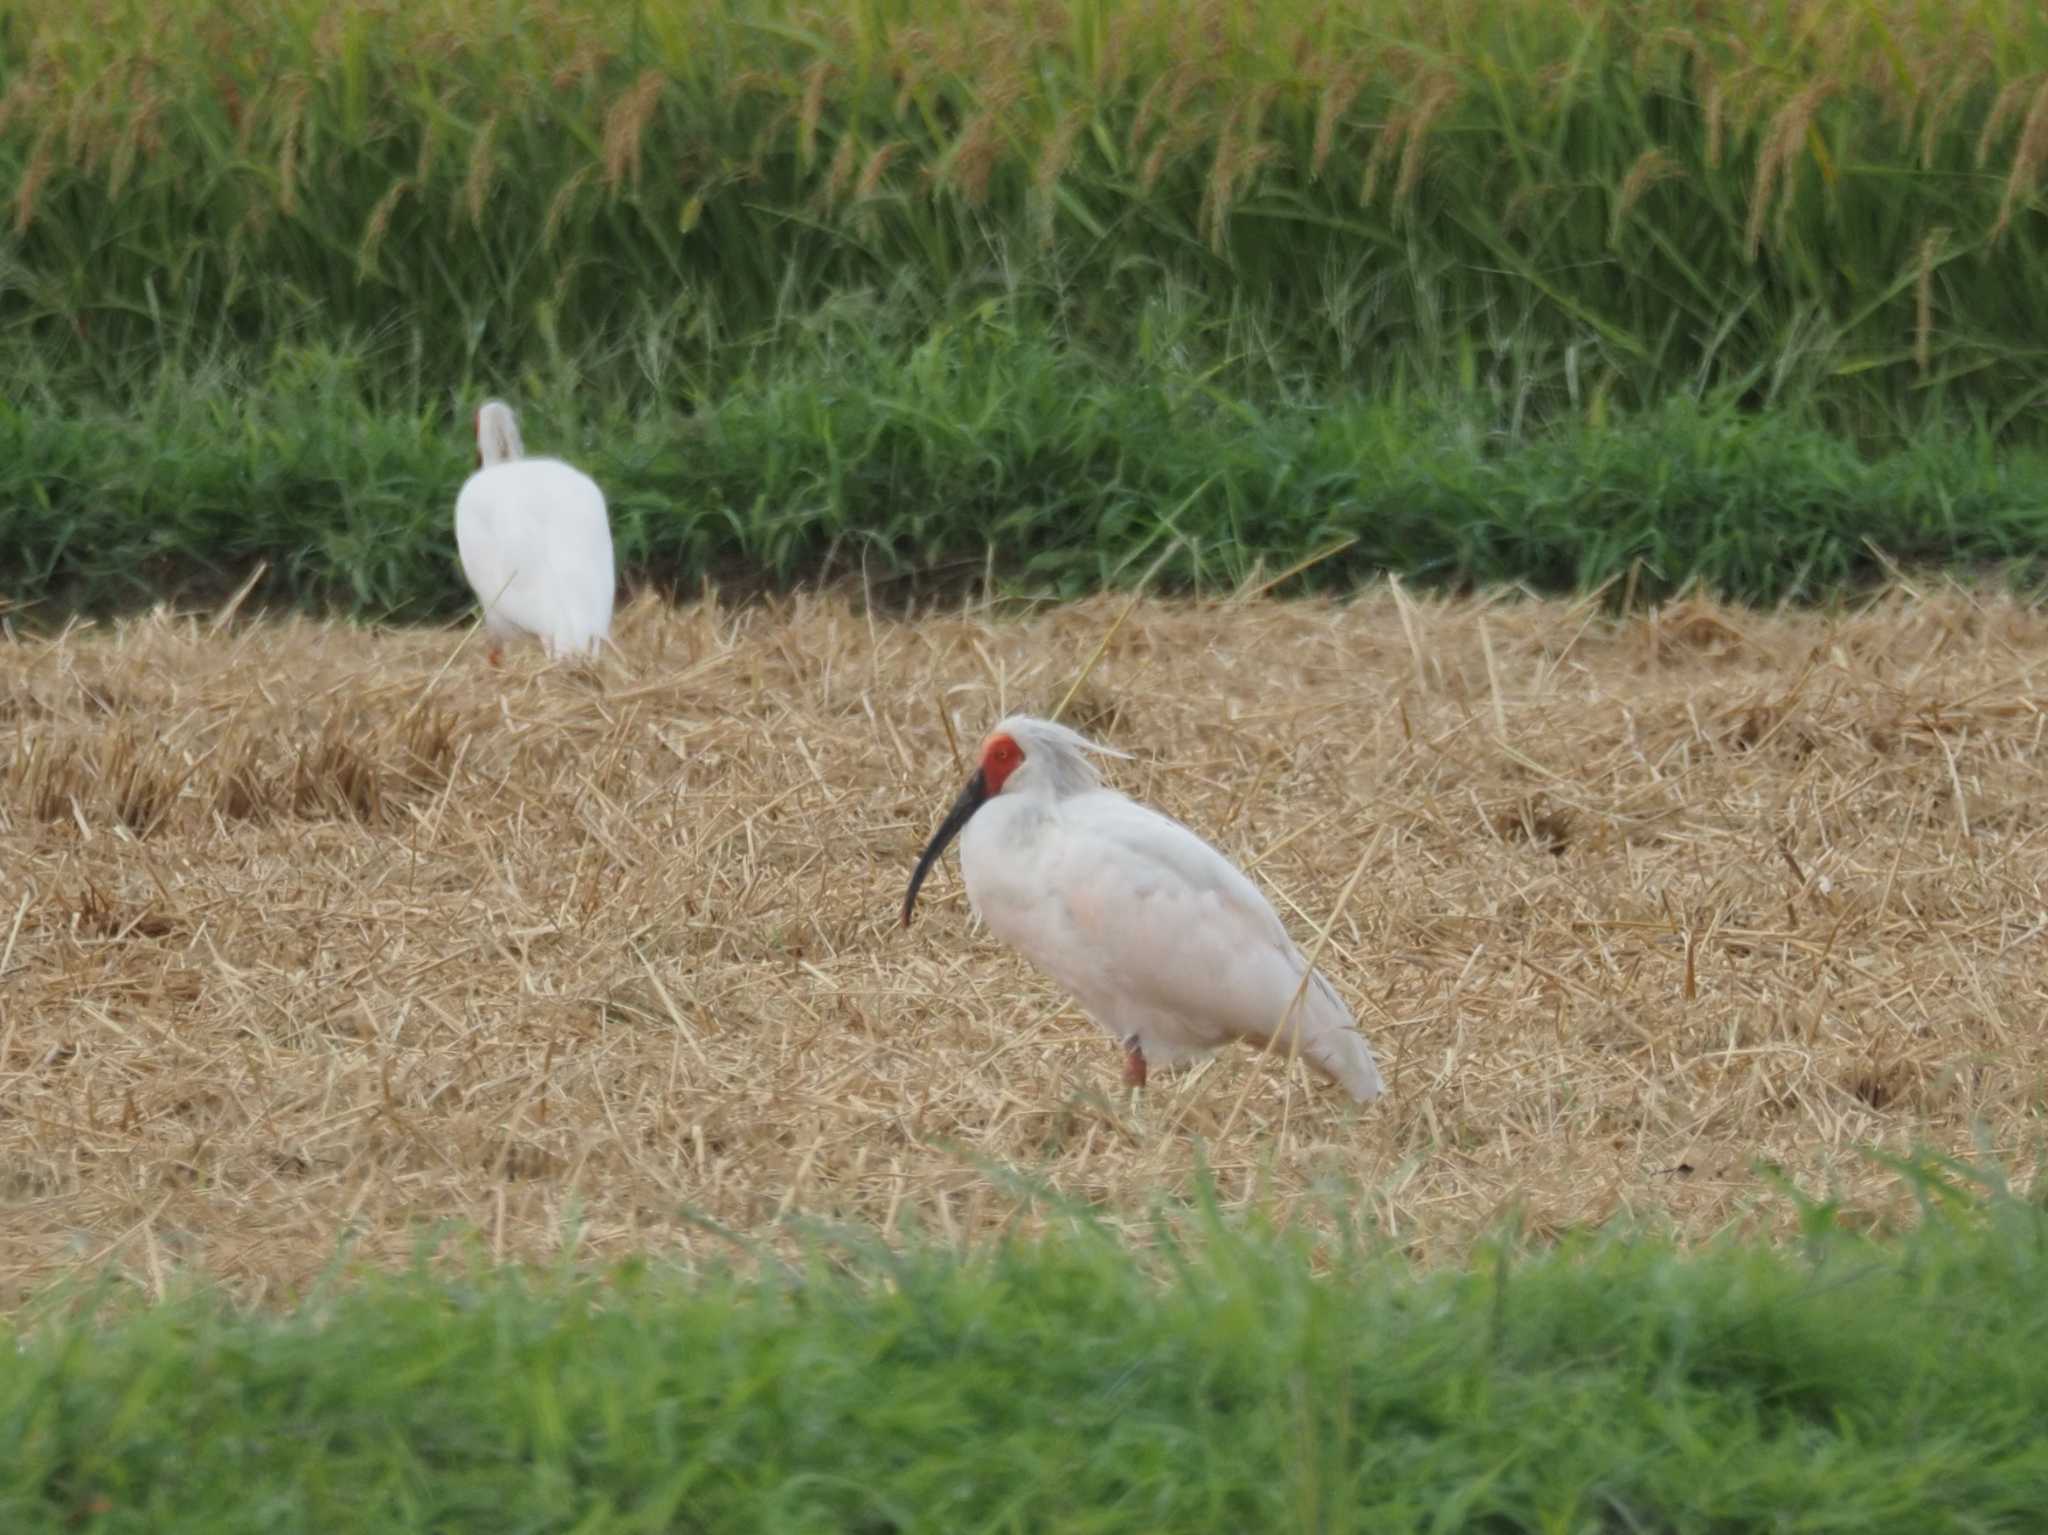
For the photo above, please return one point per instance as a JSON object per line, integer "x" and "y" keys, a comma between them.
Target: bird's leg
{"x": 494, "y": 652}
{"x": 1134, "y": 1078}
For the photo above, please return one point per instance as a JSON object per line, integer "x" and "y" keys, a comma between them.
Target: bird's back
{"x": 536, "y": 546}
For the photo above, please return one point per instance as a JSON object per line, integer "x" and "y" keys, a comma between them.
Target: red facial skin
{"x": 999, "y": 759}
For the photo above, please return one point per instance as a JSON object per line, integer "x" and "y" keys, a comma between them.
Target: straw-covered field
{"x": 321, "y": 937}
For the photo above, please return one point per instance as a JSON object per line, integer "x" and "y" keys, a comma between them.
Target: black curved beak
{"x": 971, "y": 799}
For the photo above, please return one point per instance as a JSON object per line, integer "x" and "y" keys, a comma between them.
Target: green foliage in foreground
{"x": 978, "y": 449}
{"x": 1623, "y": 198}
{"x": 1613, "y": 1385}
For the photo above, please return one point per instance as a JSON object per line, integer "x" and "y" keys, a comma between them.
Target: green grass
{"x": 1613, "y": 1384}
{"x": 920, "y": 465}
{"x": 1596, "y": 206}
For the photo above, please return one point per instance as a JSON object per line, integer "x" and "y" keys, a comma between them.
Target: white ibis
{"x": 1163, "y": 941}
{"x": 535, "y": 543}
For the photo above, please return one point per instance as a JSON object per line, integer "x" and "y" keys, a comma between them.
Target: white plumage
{"x": 535, "y": 543}
{"x": 1164, "y": 942}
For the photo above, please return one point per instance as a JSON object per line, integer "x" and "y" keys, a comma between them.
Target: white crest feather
{"x": 1059, "y": 752}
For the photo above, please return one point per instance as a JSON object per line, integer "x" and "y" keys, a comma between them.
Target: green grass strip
{"x": 1608, "y": 1385}
{"x": 982, "y": 448}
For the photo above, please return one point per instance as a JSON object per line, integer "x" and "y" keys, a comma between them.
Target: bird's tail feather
{"x": 1323, "y": 1034}
{"x": 1346, "y": 1058}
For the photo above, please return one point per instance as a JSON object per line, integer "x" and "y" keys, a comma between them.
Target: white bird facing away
{"x": 1163, "y": 941}
{"x": 535, "y": 542}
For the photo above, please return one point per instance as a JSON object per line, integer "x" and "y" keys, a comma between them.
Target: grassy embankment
{"x": 931, "y": 287}
{"x": 1613, "y": 1386}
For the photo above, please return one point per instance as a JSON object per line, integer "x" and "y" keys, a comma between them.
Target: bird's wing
{"x": 580, "y": 551}
{"x": 1188, "y": 941}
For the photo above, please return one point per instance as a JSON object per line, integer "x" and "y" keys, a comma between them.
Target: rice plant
{"x": 1585, "y": 207}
